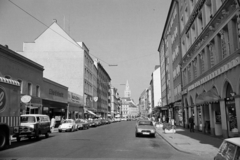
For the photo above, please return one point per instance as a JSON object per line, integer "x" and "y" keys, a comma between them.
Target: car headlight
{"x": 152, "y": 131}
{"x": 139, "y": 130}
{"x": 31, "y": 125}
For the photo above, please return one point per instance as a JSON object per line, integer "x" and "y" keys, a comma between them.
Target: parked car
{"x": 145, "y": 127}
{"x": 33, "y": 125}
{"x": 68, "y": 125}
{"x": 81, "y": 124}
{"x": 229, "y": 150}
{"x": 124, "y": 119}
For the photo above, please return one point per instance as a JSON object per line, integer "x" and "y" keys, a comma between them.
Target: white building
{"x": 65, "y": 61}
{"x": 156, "y": 87}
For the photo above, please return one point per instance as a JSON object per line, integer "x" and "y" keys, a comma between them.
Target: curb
{"x": 175, "y": 147}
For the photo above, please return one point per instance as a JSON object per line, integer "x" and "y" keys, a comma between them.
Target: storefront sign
{"x": 55, "y": 93}
{"x": 73, "y": 97}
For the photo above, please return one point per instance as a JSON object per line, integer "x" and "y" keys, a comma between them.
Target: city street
{"x": 113, "y": 141}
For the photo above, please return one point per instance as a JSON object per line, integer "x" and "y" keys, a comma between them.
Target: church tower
{"x": 127, "y": 92}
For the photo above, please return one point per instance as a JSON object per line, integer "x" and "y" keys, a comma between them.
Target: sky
{"x": 125, "y": 33}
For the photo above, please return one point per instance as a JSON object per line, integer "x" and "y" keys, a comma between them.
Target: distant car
{"x": 68, "y": 125}
{"x": 124, "y": 119}
{"x": 145, "y": 127}
{"x": 229, "y": 149}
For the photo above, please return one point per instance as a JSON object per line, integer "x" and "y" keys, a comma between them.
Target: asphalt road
{"x": 113, "y": 141}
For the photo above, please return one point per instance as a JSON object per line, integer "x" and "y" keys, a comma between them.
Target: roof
{"x": 235, "y": 141}
{"x": 19, "y": 57}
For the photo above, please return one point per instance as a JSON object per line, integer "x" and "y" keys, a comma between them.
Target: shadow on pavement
{"x": 26, "y": 141}
{"x": 201, "y": 137}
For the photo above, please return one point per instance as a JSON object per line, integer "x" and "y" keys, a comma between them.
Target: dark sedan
{"x": 145, "y": 128}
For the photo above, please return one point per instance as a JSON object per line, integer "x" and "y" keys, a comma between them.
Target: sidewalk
{"x": 196, "y": 142}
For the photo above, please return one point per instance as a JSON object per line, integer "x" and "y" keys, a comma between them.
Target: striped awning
{"x": 9, "y": 81}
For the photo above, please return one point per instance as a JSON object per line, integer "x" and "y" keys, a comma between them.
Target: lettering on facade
{"x": 55, "y": 93}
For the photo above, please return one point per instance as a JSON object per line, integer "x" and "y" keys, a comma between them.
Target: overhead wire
{"x": 54, "y": 30}
{"x": 73, "y": 40}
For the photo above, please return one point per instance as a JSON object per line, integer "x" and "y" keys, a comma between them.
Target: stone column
{"x": 223, "y": 118}
{"x": 212, "y": 121}
{"x": 202, "y": 117}
{"x": 237, "y": 104}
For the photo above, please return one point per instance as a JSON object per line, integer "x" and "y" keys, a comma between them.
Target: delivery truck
{"x": 9, "y": 110}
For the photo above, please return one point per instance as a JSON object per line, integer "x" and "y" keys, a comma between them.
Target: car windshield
{"x": 27, "y": 119}
{"x": 148, "y": 123}
{"x": 67, "y": 121}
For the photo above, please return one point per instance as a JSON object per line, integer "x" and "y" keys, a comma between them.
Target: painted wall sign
{"x": 55, "y": 93}
{"x": 2, "y": 99}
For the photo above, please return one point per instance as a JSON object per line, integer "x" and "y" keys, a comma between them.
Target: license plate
{"x": 145, "y": 133}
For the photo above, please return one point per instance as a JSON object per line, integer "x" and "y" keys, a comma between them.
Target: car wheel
{"x": 18, "y": 139}
{"x": 29, "y": 137}
{"x": 136, "y": 135}
{"x": 59, "y": 131}
{"x": 72, "y": 129}
{"x": 153, "y": 135}
{"x": 3, "y": 140}
{"x": 46, "y": 135}
{"x": 37, "y": 136}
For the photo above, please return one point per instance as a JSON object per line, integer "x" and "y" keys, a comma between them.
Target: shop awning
{"x": 209, "y": 96}
{"x": 90, "y": 112}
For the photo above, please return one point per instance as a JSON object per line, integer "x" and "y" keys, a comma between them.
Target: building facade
{"x": 209, "y": 54}
{"x": 66, "y": 61}
{"x": 115, "y": 101}
{"x": 28, "y": 73}
{"x": 170, "y": 59}
{"x": 103, "y": 87}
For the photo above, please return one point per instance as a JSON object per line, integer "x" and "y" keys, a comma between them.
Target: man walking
{"x": 191, "y": 124}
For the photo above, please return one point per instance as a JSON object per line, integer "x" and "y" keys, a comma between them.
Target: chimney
{"x": 54, "y": 20}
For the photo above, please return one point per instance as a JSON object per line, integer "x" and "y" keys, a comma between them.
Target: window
{"x": 37, "y": 91}
{"x": 21, "y": 86}
{"x": 227, "y": 150}
{"x": 29, "y": 89}
{"x": 208, "y": 10}
{"x": 224, "y": 42}
{"x": 200, "y": 22}
{"x": 211, "y": 48}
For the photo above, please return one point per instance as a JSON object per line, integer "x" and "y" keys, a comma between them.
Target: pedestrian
{"x": 52, "y": 124}
{"x": 167, "y": 119}
{"x": 191, "y": 123}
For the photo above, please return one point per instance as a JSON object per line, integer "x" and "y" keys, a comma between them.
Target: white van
{"x": 33, "y": 125}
